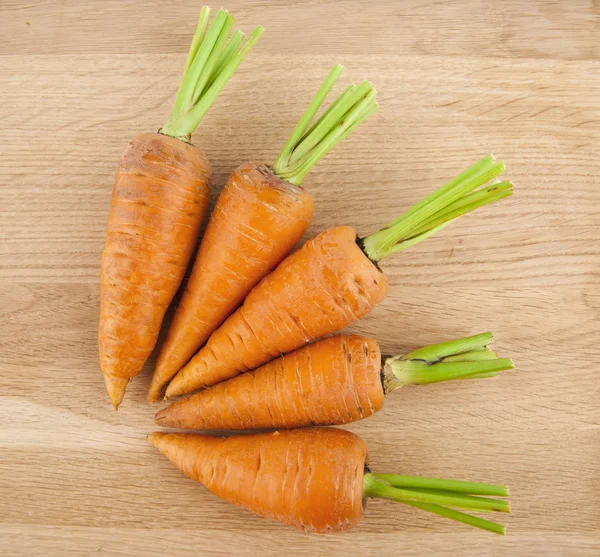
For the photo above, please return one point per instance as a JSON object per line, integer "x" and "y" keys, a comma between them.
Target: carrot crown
{"x": 454, "y": 199}
{"x": 465, "y": 358}
{"x": 305, "y": 147}
{"x": 211, "y": 61}
{"x": 437, "y": 495}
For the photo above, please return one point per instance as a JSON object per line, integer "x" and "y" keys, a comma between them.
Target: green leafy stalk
{"x": 458, "y": 516}
{"x": 454, "y": 199}
{"x": 199, "y": 35}
{"x": 211, "y": 62}
{"x": 305, "y": 147}
{"x": 426, "y": 494}
{"x": 457, "y": 486}
{"x": 465, "y": 358}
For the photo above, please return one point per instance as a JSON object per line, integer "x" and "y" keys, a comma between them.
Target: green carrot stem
{"x": 479, "y": 376}
{"x": 220, "y": 79}
{"x": 472, "y": 356}
{"x": 465, "y": 358}
{"x": 232, "y": 46}
{"x": 450, "y": 493}
{"x": 379, "y": 488}
{"x": 429, "y": 500}
{"x": 420, "y": 373}
{"x": 308, "y": 144}
{"x": 458, "y": 486}
{"x": 211, "y": 62}
{"x": 436, "y": 352}
{"x": 466, "y": 204}
{"x": 331, "y": 119}
{"x": 437, "y": 210}
{"x": 309, "y": 114}
{"x": 458, "y": 516}
{"x": 199, "y": 35}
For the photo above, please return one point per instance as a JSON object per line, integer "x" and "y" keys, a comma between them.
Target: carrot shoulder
{"x": 159, "y": 198}
{"x": 330, "y": 282}
{"x": 261, "y": 214}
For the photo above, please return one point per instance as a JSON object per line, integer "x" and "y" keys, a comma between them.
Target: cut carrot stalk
{"x": 331, "y": 281}
{"x": 317, "y": 478}
{"x": 261, "y": 214}
{"x": 159, "y": 198}
{"x": 333, "y": 381}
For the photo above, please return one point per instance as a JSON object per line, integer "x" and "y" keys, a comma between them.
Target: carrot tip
{"x": 154, "y": 438}
{"x": 116, "y": 387}
{"x": 160, "y": 416}
{"x": 155, "y": 391}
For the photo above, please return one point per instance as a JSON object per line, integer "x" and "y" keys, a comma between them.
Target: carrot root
{"x": 310, "y": 478}
{"x": 335, "y": 380}
{"x": 159, "y": 198}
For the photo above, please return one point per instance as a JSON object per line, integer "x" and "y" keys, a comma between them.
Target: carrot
{"x": 158, "y": 201}
{"x": 331, "y": 281}
{"x": 333, "y": 381}
{"x": 261, "y": 214}
{"x": 316, "y": 478}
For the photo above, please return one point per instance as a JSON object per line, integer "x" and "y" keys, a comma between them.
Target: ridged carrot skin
{"x": 307, "y": 478}
{"x": 324, "y": 286}
{"x": 335, "y": 380}
{"x": 256, "y": 222}
{"x": 159, "y": 198}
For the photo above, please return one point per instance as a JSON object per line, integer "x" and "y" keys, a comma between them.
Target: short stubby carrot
{"x": 261, "y": 214}
{"x": 159, "y": 199}
{"x": 331, "y": 281}
{"x": 316, "y": 479}
{"x": 333, "y": 381}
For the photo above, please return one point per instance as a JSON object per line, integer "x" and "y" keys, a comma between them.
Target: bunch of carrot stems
{"x": 250, "y": 342}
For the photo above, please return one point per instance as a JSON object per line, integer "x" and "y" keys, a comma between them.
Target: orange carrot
{"x": 332, "y": 281}
{"x": 316, "y": 478}
{"x": 159, "y": 198}
{"x": 333, "y": 381}
{"x": 261, "y": 214}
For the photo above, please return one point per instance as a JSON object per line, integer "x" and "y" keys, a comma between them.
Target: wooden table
{"x": 456, "y": 80}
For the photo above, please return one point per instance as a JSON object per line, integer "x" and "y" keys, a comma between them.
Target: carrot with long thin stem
{"x": 159, "y": 198}
{"x": 333, "y": 381}
{"x": 317, "y": 478}
{"x": 331, "y": 281}
{"x": 261, "y": 214}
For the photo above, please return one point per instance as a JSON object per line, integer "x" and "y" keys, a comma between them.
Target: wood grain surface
{"x": 456, "y": 80}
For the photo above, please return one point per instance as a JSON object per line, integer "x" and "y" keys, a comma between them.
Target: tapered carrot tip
{"x": 116, "y": 387}
{"x": 161, "y": 417}
{"x": 154, "y": 438}
{"x": 154, "y": 393}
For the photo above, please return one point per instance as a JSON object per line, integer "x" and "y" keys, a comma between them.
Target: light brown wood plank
{"x": 513, "y": 29}
{"x": 123, "y": 542}
{"x": 456, "y": 80}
